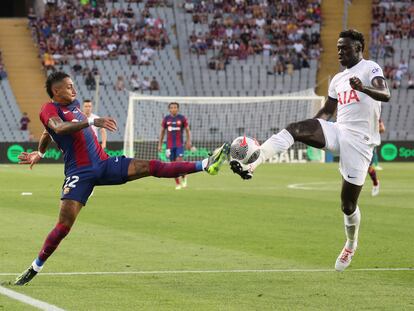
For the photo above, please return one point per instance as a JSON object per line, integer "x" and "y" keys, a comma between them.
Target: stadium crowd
{"x": 398, "y": 20}
{"x": 96, "y": 32}
{"x": 239, "y": 29}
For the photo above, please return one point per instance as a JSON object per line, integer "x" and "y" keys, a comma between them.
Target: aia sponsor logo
{"x": 348, "y": 97}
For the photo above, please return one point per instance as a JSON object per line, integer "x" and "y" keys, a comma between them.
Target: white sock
{"x": 36, "y": 267}
{"x": 351, "y": 228}
{"x": 277, "y": 143}
{"x": 204, "y": 163}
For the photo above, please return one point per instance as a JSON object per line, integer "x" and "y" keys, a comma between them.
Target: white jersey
{"x": 94, "y": 128}
{"x": 358, "y": 113}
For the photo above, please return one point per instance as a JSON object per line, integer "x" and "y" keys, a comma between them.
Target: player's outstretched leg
{"x": 308, "y": 131}
{"x": 211, "y": 165}
{"x": 352, "y": 219}
{"x": 68, "y": 213}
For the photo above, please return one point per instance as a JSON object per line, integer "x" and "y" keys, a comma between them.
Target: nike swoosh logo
{"x": 65, "y": 112}
{"x": 351, "y": 177}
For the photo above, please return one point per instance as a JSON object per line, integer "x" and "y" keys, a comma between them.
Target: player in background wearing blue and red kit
{"x": 86, "y": 163}
{"x": 371, "y": 169}
{"x": 175, "y": 124}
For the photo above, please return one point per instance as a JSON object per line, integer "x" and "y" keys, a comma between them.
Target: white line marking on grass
{"x": 28, "y": 300}
{"x": 312, "y": 186}
{"x": 209, "y": 271}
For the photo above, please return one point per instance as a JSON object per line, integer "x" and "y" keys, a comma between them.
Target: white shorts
{"x": 354, "y": 153}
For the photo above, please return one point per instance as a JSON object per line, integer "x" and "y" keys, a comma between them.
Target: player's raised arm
{"x": 62, "y": 128}
{"x": 378, "y": 91}
{"x": 328, "y": 110}
{"x": 33, "y": 157}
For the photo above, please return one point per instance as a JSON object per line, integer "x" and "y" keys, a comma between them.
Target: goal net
{"x": 214, "y": 120}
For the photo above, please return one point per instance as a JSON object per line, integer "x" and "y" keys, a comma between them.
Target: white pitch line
{"x": 28, "y": 300}
{"x": 209, "y": 271}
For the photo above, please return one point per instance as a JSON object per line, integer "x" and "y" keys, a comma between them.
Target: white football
{"x": 244, "y": 149}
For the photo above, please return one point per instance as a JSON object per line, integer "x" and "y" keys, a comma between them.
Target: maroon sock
{"x": 173, "y": 169}
{"x": 373, "y": 174}
{"x": 52, "y": 241}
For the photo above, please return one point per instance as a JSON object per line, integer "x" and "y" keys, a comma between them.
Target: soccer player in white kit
{"x": 87, "y": 110}
{"x": 357, "y": 93}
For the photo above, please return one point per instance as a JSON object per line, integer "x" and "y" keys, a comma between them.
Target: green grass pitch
{"x": 219, "y": 224}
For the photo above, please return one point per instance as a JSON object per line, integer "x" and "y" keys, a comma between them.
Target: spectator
{"x": 31, "y": 16}
{"x": 410, "y": 82}
{"x": 120, "y": 84}
{"x": 90, "y": 81}
{"x": 24, "y": 122}
{"x": 144, "y": 59}
{"x": 154, "y": 85}
{"x": 146, "y": 84}
{"x": 3, "y": 74}
{"x": 77, "y": 68}
{"x": 134, "y": 82}
{"x": 48, "y": 61}
{"x": 134, "y": 59}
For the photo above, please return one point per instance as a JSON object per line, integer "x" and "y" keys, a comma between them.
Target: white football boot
{"x": 344, "y": 259}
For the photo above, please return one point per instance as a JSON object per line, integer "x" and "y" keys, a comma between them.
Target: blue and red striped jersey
{"x": 80, "y": 149}
{"x": 175, "y": 126}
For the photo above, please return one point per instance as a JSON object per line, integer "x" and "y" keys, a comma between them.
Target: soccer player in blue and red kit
{"x": 86, "y": 163}
{"x": 175, "y": 124}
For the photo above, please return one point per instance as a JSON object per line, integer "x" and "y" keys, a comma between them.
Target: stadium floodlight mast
{"x": 214, "y": 120}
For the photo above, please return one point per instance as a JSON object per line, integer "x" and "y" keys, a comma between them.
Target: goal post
{"x": 214, "y": 120}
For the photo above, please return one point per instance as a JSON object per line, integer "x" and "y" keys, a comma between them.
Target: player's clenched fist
{"x": 107, "y": 123}
{"x": 356, "y": 84}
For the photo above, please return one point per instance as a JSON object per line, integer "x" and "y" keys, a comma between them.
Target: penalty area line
{"x": 41, "y": 305}
{"x": 211, "y": 271}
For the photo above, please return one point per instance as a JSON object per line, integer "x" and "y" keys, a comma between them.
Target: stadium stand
{"x": 115, "y": 40}
{"x": 392, "y": 46}
{"x": 194, "y": 47}
{"x": 237, "y": 48}
{"x": 9, "y": 111}
{"x": 129, "y": 43}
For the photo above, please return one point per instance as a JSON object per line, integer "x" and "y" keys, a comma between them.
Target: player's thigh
{"x": 173, "y": 154}
{"x": 138, "y": 169}
{"x": 69, "y": 210}
{"x": 330, "y": 133}
{"x": 78, "y": 186}
{"x": 354, "y": 159}
{"x": 309, "y": 132}
{"x": 115, "y": 171}
{"x": 179, "y": 153}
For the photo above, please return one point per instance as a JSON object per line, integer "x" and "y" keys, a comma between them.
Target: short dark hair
{"x": 174, "y": 103}
{"x": 87, "y": 100}
{"x": 53, "y": 78}
{"x": 354, "y": 35}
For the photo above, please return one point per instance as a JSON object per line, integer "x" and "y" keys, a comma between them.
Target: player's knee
{"x": 294, "y": 129}
{"x": 348, "y": 207}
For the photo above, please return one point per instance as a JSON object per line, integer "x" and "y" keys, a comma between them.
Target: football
{"x": 244, "y": 149}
